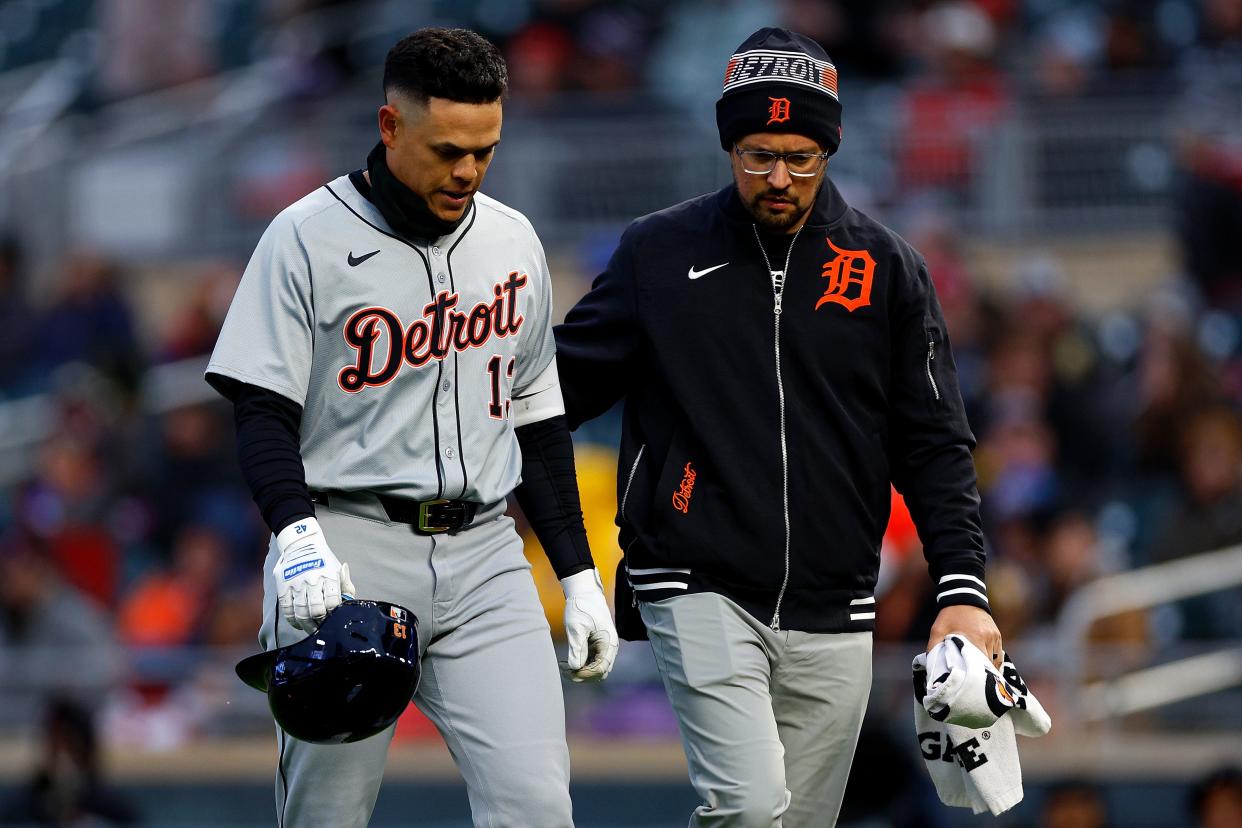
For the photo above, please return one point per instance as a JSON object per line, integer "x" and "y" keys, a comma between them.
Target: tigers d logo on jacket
{"x": 849, "y": 276}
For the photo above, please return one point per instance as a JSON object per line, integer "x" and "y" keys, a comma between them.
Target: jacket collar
{"x": 828, "y": 209}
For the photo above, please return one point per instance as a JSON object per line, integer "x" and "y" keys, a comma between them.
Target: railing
{"x": 45, "y": 95}
{"x": 1151, "y": 687}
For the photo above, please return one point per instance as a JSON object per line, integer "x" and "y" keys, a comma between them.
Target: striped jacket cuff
{"x": 961, "y": 589}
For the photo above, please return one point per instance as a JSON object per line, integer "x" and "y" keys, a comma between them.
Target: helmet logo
{"x": 778, "y": 111}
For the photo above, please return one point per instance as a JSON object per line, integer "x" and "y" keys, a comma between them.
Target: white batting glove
{"x": 309, "y": 579}
{"x": 589, "y": 628}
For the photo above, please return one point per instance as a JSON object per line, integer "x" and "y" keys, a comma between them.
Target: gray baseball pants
{"x": 769, "y": 720}
{"x": 490, "y": 681}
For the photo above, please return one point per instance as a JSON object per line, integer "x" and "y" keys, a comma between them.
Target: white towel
{"x": 966, "y": 739}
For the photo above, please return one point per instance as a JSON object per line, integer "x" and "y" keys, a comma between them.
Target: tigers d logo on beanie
{"x": 780, "y": 81}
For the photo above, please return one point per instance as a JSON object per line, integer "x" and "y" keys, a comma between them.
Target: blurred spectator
{"x": 152, "y": 44}
{"x": 311, "y": 44}
{"x": 193, "y": 328}
{"x": 237, "y": 613}
{"x": 1056, "y": 363}
{"x": 949, "y": 109}
{"x": 865, "y": 39}
{"x": 191, "y": 477}
{"x": 1071, "y": 560}
{"x": 1209, "y": 515}
{"x": 539, "y": 57}
{"x": 1208, "y": 138}
{"x": 1174, "y": 379}
{"x": 1216, "y": 800}
{"x": 171, "y": 607}
{"x": 91, "y": 322}
{"x": 612, "y": 46}
{"x": 574, "y": 46}
{"x": 171, "y": 613}
{"x": 15, "y": 319}
{"x": 52, "y": 638}
{"x": 1066, "y": 52}
{"x": 1073, "y": 805}
{"x": 1074, "y": 556}
{"x": 67, "y": 505}
{"x": 1017, "y": 459}
{"x": 1094, "y": 50}
{"x": 67, "y": 788}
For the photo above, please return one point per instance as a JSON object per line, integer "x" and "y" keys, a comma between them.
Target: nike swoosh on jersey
{"x": 355, "y": 261}
{"x": 694, "y": 274}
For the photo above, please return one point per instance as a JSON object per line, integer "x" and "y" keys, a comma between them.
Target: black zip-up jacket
{"x": 764, "y": 421}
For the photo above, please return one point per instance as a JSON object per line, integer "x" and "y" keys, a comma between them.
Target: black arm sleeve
{"x": 548, "y": 494}
{"x": 268, "y": 451}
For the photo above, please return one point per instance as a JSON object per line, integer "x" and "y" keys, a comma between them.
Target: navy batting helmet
{"x": 348, "y": 680}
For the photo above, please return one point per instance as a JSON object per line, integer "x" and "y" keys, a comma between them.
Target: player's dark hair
{"x": 456, "y": 64}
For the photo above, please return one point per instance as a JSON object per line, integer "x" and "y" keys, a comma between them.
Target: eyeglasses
{"x": 800, "y": 164}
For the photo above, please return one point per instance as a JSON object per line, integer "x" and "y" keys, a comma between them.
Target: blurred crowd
{"x": 1107, "y": 440}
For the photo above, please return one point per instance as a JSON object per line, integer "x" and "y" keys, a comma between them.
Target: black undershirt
{"x": 269, "y": 451}
{"x": 548, "y": 494}
{"x": 776, "y": 245}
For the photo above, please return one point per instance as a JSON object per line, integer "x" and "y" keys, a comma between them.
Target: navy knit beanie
{"x": 780, "y": 81}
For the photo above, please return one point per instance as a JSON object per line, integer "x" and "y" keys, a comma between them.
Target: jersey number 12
{"x": 498, "y": 407}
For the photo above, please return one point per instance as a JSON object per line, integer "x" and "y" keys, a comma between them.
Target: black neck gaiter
{"x": 405, "y": 211}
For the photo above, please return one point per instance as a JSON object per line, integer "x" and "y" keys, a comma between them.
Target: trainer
{"x": 783, "y": 358}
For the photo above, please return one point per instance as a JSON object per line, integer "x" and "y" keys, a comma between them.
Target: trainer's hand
{"x": 976, "y": 624}
{"x": 589, "y": 628}
{"x": 310, "y": 581}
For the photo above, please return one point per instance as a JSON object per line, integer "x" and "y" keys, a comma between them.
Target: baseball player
{"x": 390, "y": 358}
{"x": 783, "y": 358}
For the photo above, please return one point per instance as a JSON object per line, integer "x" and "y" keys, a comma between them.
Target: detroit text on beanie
{"x": 780, "y": 81}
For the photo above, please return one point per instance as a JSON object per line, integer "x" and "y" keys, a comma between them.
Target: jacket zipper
{"x": 931, "y": 354}
{"x": 625, "y": 496}
{"x": 778, "y": 289}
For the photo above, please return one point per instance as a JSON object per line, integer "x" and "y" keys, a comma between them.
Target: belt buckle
{"x": 424, "y": 520}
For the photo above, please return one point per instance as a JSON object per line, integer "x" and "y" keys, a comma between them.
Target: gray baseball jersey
{"x": 404, "y": 356}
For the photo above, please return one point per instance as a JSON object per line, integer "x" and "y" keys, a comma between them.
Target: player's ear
{"x": 389, "y": 123}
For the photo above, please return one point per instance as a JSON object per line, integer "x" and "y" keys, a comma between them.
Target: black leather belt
{"x": 428, "y": 517}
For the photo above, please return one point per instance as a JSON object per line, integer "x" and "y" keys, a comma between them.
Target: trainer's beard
{"x": 771, "y": 222}
{"x": 774, "y": 222}
{"x": 779, "y": 222}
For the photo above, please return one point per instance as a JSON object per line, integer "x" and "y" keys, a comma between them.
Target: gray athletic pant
{"x": 490, "y": 681}
{"x": 769, "y": 720}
